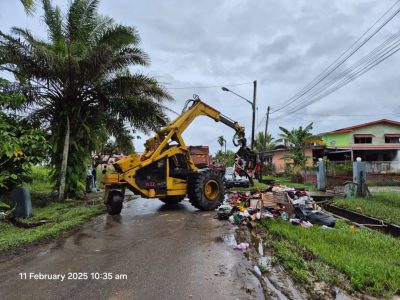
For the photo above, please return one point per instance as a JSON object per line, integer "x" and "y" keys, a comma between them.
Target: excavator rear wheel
{"x": 114, "y": 202}
{"x": 206, "y": 190}
{"x": 170, "y": 200}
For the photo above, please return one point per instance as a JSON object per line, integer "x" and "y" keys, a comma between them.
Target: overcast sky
{"x": 283, "y": 44}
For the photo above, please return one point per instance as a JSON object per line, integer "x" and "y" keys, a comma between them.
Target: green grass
{"x": 369, "y": 259}
{"x": 60, "y": 217}
{"x": 40, "y": 180}
{"x": 278, "y": 180}
{"x": 385, "y": 206}
{"x": 257, "y": 186}
{"x": 287, "y": 182}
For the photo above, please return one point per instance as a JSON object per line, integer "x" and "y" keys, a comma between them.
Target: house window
{"x": 392, "y": 138}
{"x": 362, "y": 139}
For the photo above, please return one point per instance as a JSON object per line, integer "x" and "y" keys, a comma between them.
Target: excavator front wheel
{"x": 206, "y": 190}
{"x": 114, "y": 202}
{"x": 170, "y": 200}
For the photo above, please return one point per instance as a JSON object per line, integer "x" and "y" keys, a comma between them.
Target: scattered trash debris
{"x": 257, "y": 270}
{"x": 289, "y": 204}
{"x": 242, "y": 246}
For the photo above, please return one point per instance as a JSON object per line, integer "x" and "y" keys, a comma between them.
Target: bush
{"x": 20, "y": 148}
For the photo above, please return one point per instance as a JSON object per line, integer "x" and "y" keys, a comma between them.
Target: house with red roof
{"x": 373, "y": 141}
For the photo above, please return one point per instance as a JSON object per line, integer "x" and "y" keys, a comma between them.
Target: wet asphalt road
{"x": 165, "y": 253}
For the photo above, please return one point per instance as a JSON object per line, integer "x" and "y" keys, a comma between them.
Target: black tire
{"x": 114, "y": 203}
{"x": 170, "y": 200}
{"x": 200, "y": 182}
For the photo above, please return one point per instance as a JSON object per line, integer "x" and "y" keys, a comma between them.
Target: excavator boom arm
{"x": 200, "y": 108}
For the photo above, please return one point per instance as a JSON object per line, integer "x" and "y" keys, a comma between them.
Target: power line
{"x": 339, "y": 61}
{"x": 261, "y": 122}
{"x": 208, "y": 87}
{"x": 350, "y": 75}
{"x": 375, "y": 57}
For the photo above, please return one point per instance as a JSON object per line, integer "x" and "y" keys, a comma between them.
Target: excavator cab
{"x": 166, "y": 170}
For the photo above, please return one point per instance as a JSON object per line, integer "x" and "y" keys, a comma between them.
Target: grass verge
{"x": 59, "y": 217}
{"x": 385, "y": 206}
{"x": 370, "y": 260}
{"x": 40, "y": 180}
{"x": 287, "y": 182}
{"x": 257, "y": 186}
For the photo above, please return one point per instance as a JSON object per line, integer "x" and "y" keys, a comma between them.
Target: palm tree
{"x": 295, "y": 140}
{"x": 221, "y": 142}
{"x": 263, "y": 143}
{"x": 29, "y": 5}
{"x": 79, "y": 85}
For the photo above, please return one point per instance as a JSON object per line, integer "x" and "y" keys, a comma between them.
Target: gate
{"x": 337, "y": 173}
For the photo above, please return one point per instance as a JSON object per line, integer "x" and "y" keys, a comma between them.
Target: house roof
{"x": 351, "y": 128}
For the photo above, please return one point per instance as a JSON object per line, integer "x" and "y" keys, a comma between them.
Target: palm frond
{"x": 29, "y": 6}
{"x": 54, "y": 21}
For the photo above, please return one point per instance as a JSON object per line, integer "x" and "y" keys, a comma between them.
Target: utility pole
{"x": 254, "y": 112}
{"x": 253, "y": 106}
{"x": 266, "y": 127}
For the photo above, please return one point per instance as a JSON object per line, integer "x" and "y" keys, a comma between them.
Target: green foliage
{"x": 257, "y": 186}
{"x": 228, "y": 159}
{"x": 295, "y": 140}
{"x": 82, "y": 72}
{"x": 40, "y": 180}
{"x": 263, "y": 144}
{"x": 286, "y": 181}
{"x": 221, "y": 141}
{"x": 339, "y": 168}
{"x": 368, "y": 258}
{"x": 20, "y": 148}
{"x": 385, "y": 206}
{"x": 60, "y": 217}
{"x": 29, "y": 6}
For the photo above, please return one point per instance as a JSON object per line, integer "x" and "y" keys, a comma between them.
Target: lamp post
{"x": 253, "y": 106}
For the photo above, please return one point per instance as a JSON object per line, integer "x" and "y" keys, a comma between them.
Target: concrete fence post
{"x": 321, "y": 175}
{"x": 360, "y": 175}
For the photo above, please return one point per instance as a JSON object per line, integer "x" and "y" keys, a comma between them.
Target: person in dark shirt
{"x": 94, "y": 174}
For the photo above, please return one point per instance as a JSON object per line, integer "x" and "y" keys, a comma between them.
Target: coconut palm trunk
{"x": 64, "y": 164}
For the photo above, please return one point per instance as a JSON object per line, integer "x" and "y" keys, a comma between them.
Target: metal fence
{"x": 337, "y": 173}
{"x": 381, "y": 175}
{"x": 382, "y": 167}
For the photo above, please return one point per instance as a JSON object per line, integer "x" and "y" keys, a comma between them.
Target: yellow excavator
{"x": 166, "y": 171}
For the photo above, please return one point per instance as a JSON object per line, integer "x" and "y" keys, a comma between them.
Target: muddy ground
{"x": 151, "y": 251}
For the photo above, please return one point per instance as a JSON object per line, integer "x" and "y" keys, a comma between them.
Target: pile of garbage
{"x": 289, "y": 204}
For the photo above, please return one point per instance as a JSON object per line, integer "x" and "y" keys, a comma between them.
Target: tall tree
{"x": 79, "y": 85}
{"x": 295, "y": 140}
{"x": 263, "y": 143}
{"x": 222, "y": 142}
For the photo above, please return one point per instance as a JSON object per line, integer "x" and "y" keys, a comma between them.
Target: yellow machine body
{"x": 163, "y": 169}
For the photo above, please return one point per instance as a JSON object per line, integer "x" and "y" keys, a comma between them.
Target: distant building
{"x": 377, "y": 142}
{"x": 372, "y": 141}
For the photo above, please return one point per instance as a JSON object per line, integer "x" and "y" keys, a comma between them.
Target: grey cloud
{"x": 283, "y": 44}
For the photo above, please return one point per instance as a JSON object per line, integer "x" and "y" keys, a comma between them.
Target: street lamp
{"x": 253, "y": 106}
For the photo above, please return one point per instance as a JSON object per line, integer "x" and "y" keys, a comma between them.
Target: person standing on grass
{"x": 94, "y": 175}
{"x": 89, "y": 179}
